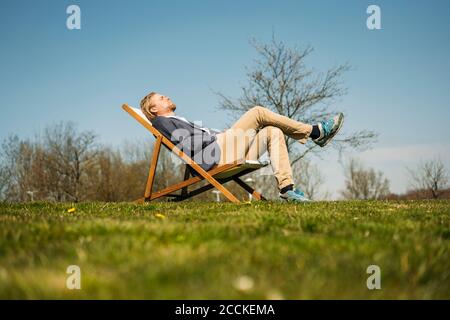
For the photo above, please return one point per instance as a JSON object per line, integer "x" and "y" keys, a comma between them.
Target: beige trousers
{"x": 260, "y": 130}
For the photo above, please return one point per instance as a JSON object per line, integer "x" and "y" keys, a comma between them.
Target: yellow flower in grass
{"x": 160, "y": 216}
{"x": 71, "y": 210}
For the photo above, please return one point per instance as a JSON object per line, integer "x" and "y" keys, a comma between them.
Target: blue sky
{"x": 399, "y": 85}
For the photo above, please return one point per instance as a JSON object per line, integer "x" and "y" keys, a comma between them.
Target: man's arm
{"x": 186, "y": 137}
{"x": 196, "y": 143}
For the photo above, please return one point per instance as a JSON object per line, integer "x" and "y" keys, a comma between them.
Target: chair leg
{"x": 249, "y": 189}
{"x": 184, "y": 190}
{"x": 152, "y": 170}
{"x": 139, "y": 201}
{"x": 224, "y": 190}
{"x": 191, "y": 181}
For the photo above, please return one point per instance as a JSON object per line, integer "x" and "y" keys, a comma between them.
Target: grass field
{"x": 219, "y": 251}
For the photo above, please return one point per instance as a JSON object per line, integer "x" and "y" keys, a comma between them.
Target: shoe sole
{"x": 341, "y": 122}
{"x": 293, "y": 200}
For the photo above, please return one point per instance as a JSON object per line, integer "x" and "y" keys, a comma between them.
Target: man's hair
{"x": 146, "y": 105}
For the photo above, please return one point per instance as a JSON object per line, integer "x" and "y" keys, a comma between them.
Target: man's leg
{"x": 235, "y": 141}
{"x": 272, "y": 139}
{"x": 259, "y": 117}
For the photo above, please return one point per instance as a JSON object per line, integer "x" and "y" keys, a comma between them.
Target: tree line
{"x": 63, "y": 164}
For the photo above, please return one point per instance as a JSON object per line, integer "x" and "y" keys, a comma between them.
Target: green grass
{"x": 205, "y": 250}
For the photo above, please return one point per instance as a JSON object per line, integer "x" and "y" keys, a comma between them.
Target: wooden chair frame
{"x": 216, "y": 177}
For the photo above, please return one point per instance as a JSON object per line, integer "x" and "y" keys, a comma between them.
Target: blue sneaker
{"x": 294, "y": 195}
{"x": 328, "y": 129}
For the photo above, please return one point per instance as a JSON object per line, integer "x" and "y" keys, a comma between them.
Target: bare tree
{"x": 10, "y": 150}
{"x": 309, "y": 178}
{"x": 264, "y": 182}
{"x": 22, "y": 169}
{"x": 69, "y": 154}
{"x": 67, "y": 165}
{"x": 3, "y": 182}
{"x": 364, "y": 184}
{"x": 281, "y": 82}
{"x": 430, "y": 176}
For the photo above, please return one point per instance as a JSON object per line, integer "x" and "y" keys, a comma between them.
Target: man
{"x": 258, "y": 131}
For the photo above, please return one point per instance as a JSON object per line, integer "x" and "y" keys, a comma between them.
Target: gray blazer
{"x": 196, "y": 143}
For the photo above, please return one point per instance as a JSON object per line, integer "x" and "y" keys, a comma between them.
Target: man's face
{"x": 162, "y": 105}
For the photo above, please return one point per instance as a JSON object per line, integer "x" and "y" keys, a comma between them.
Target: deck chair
{"x": 216, "y": 177}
